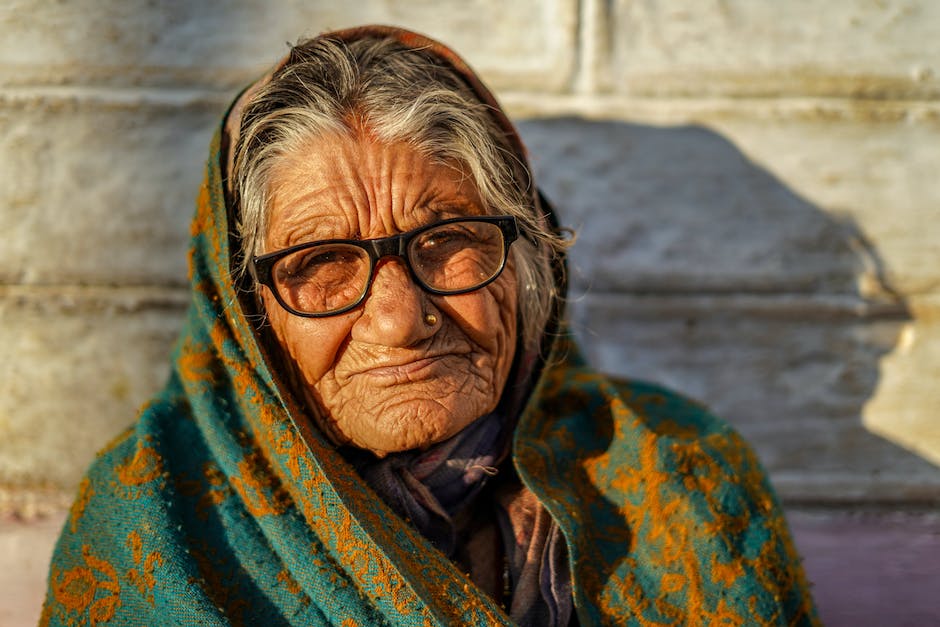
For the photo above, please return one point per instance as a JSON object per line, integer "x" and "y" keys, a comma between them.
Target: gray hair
{"x": 400, "y": 94}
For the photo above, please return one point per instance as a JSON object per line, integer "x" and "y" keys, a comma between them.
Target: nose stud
{"x": 430, "y": 319}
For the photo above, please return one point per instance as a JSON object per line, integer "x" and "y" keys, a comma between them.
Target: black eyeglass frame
{"x": 261, "y": 266}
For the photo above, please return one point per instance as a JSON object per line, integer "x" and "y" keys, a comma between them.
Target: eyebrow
{"x": 324, "y": 232}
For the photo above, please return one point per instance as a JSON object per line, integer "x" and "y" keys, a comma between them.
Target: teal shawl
{"x": 223, "y": 505}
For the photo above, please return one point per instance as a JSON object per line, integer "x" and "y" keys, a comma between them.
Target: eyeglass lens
{"x": 452, "y": 257}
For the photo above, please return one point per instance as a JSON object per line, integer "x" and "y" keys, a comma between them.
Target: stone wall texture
{"x": 756, "y": 188}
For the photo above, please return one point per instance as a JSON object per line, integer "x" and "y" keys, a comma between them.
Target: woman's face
{"x": 383, "y": 378}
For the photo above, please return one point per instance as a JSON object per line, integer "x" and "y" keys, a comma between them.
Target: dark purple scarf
{"x": 435, "y": 488}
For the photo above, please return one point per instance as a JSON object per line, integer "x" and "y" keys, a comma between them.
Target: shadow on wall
{"x": 696, "y": 268}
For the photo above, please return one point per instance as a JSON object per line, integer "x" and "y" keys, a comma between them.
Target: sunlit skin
{"x": 380, "y": 377}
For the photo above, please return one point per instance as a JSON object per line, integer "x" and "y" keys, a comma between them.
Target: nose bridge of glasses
{"x": 394, "y": 246}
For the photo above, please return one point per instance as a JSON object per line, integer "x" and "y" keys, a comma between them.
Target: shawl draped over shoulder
{"x": 222, "y": 505}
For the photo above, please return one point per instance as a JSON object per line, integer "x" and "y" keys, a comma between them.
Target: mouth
{"x": 422, "y": 368}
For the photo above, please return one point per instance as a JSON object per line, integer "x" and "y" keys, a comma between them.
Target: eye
{"x": 315, "y": 260}
{"x": 320, "y": 264}
{"x": 445, "y": 239}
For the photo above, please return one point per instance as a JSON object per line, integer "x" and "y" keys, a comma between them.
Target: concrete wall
{"x": 755, "y": 185}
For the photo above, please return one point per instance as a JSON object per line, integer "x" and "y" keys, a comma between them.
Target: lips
{"x": 421, "y": 368}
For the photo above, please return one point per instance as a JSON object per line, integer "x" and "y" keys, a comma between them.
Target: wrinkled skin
{"x": 380, "y": 377}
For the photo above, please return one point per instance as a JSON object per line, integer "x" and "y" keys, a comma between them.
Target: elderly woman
{"x": 375, "y": 414}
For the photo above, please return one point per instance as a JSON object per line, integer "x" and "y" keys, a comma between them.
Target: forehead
{"x": 347, "y": 187}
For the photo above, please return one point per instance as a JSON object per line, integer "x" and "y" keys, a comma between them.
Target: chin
{"x": 416, "y": 428}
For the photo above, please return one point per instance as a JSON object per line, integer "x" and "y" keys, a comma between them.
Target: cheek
{"x": 312, "y": 344}
{"x": 488, "y": 317}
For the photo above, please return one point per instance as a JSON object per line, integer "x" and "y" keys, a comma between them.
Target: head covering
{"x": 221, "y": 505}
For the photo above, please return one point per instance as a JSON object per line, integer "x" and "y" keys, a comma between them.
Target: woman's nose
{"x": 393, "y": 312}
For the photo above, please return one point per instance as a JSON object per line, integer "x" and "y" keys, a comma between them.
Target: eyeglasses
{"x": 330, "y": 277}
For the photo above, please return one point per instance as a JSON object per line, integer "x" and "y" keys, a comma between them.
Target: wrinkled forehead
{"x": 348, "y": 187}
